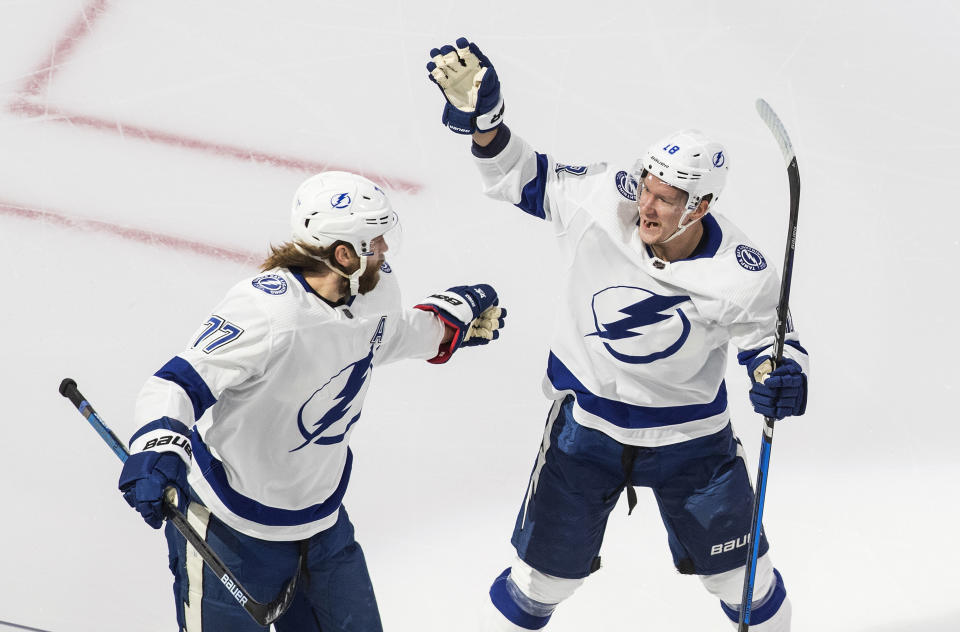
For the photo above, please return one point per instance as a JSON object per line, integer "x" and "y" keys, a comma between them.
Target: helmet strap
{"x": 353, "y": 278}
{"x": 681, "y": 227}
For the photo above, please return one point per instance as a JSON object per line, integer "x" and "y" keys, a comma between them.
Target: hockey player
{"x": 251, "y": 423}
{"x": 657, "y": 285}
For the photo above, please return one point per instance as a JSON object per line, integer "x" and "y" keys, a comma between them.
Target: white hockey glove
{"x": 470, "y": 85}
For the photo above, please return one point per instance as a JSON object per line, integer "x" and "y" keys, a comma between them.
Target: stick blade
{"x": 777, "y": 129}
{"x": 268, "y": 613}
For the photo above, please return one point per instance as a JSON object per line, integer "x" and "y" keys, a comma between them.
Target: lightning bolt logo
{"x": 342, "y": 404}
{"x": 649, "y": 310}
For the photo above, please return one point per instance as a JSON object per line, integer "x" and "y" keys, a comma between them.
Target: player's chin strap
{"x": 681, "y": 227}
{"x": 353, "y": 278}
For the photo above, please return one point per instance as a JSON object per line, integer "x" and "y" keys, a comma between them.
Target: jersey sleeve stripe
{"x": 531, "y": 197}
{"x": 181, "y": 373}
{"x": 164, "y": 423}
{"x": 625, "y": 415}
{"x": 746, "y": 357}
{"x": 254, "y": 511}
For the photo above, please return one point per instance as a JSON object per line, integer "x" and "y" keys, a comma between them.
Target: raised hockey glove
{"x": 469, "y": 84}
{"x": 467, "y": 310}
{"x": 779, "y": 393}
{"x": 159, "y": 454}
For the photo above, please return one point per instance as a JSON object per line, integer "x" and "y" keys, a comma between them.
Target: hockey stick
{"x": 262, "y": 613}
{"x": 783, "y": 312}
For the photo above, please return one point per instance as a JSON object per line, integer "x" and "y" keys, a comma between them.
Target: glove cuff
{"x": 446, "y": 349}
{"x": 487, "y": 121}
{"x": 455, "y": 305}
{"x": 162, "y": 439}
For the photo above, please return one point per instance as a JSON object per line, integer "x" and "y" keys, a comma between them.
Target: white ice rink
{"x": 148, "y": 153}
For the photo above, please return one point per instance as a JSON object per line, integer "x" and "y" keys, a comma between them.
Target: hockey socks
{"x": 770, "y": 614}
{"x": 521, "y": 611}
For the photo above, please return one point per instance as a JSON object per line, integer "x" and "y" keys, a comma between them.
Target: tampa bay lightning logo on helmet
{"x": 719, "y": 159}
{"x": 750, "y": 258}
{"x": 340, "y": 200}
{"x": 336, "y": 403}
{"x": 638, "y": 326}
{"x": 270, "y": 283}
{"x": 626, "y": 185}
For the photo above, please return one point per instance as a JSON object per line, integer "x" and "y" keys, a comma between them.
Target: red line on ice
{"x": 25, "y": 104}
{"x": 131, "y": 234}
{"x": 40, "y": 78}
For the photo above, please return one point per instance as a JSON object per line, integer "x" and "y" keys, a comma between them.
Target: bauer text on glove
{"x": 160, "y": 452}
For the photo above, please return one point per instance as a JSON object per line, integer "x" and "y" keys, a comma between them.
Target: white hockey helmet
{"x": 689, "y": 161}
{"x": 341, "y": 206}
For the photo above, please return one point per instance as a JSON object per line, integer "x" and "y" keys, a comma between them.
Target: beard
{"x": 368, "y": 280}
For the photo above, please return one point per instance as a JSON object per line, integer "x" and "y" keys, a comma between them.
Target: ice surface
{"x": 136, "y": 136}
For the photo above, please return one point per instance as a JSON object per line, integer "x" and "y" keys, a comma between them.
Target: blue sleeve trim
{"x": 181, "y": 373}
{"x": 248, "y": 508}
{"x": 767, "y": 609}
{"x": 496, "y": 145}
{"x": 510, "y": 609}
{"x": 746, "y": 357}
{"x": 531, "y": 198}
{"x": 630, "y": 416}
{"x": 796, "y": 345}
{"x": 164, "y": 423}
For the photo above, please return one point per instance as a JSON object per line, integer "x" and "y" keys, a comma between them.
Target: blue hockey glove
{"x": 470, "y": 85}
{"x": 779, "y": 393}
{"x": 472, "y": 311}
{"x": 160, "y": 463}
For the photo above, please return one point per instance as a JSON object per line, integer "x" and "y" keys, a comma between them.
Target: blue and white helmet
{"x": 689, "y": 161}
{"x": 341, "y": 206}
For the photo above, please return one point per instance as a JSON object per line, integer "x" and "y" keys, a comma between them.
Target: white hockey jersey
{"x": 642, "y": 343}
{"x": 274, "y": 382}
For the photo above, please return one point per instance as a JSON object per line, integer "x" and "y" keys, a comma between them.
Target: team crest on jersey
{"x": 386, "y": 267}
{"x": 750, "y": 258}
{"x": 571, "y": 169}
{"x": 271, "y": 284}
{"x": 626, "y": 185}
{"x": 332, "y": 409}
{"x": 637, "y": 326}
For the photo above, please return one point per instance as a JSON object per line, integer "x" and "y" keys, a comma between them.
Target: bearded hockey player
{"x": 251, "y": 423}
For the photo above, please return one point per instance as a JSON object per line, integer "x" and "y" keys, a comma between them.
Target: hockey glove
{"x": 779, "y": 393}
{"x": 159, "y": 454}
{"x": 470, "y": 85}
{"x": 485, "y": 327}
{"x": 472, "y": 312}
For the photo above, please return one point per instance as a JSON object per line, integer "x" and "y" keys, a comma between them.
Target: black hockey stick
{"x": 783, "y": 314}
{"x": 262, "y": 613}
